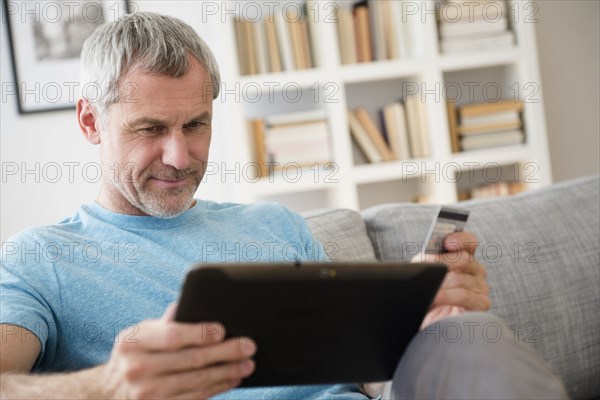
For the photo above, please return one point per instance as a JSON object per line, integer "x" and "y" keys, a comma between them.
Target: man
{"x": 98, "y": 320}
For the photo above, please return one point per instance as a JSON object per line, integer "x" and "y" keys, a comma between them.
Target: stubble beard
{"x": 163, "y": 202}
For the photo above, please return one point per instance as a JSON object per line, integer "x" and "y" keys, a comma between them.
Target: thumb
{"x": 169, "y": 314}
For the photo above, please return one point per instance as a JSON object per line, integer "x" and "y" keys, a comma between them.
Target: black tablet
{"x": 315, "y": 323}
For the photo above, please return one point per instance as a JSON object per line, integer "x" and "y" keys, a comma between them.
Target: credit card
{"x": 447, "y": 221}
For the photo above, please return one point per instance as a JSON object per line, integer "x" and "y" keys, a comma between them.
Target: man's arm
{"x": 167, "y": 360}
{"x": 19, "y": 349}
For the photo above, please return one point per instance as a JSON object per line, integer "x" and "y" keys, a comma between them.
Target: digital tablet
{"x": 315, "y": 323}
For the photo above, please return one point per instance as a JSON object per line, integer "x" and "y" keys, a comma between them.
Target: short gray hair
{"x": 150, "y": 42}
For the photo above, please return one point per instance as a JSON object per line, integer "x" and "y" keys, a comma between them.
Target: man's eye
{"x": 195, "y": 125}
{"x": 151, "y": 130}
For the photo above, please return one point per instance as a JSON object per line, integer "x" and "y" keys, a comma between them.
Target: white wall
{"x": 569, "y": 54}
{"x": 568, "y": 46}
{"x": 53, "y": 139}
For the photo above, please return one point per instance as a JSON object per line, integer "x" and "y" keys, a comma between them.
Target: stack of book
{"x": 403, "y": 132}
{"x": 492, "y": 190}
{"x": 469, "y": 26}
{"x": 300, "y": 138}
{"x": 371, "y": 30}
{"x": 483, "y": 125}
{"x": 279, "y": 42}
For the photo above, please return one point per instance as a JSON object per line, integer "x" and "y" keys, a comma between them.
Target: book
{"x": 257, "y": 129}
{"x": 395, "y": 122}
{"x": 363, "y": 139}
{"x": 346, "y": 34}
{"x": 494, "y": 189}
{"x": 469, "y": 110}
{"x": 479, "y": 42}
{"x": 296, "y": 40}
{"x": 402, "y": 29}
{"x": 242, "y": 46}
{"x": 273, "y": 45}
{"x": 470, "y": 11}
{"x": 296, "y": 133}
{"x": 306, "y": 44}
{"x": 417, "y": 126}
{"x": 424, "y": 130}
{"x": 391, "y": 29}
{"x": 296, "y": 117}
{"x": 374, "y": 133}
{"x": 250, "y": 40}
{"x": 262, "y": 56}
{"x": 377, "y": 26}
{"x": 301, "y": 142}
{"x": 364, "y": 52}
{"x": 491, "y": 118}
{"x": 284, "y": 40}
{"x": 465, "y": 130}
{"x": 312, "y": 15}
{"x": 453, "y": 126}
{"x": 493, "y": 139}
{"x": 477, "y": 27}
{"x": 358, "y": 156}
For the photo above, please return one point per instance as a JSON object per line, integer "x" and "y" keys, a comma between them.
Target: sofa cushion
{"x": 542, "y": 252}
{"x": 342, "y": 233}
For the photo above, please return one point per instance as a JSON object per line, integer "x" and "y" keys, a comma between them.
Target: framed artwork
{"x": 45, "y": 40}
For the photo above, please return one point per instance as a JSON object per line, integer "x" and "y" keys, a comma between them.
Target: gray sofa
{"x": 542, "y": 252}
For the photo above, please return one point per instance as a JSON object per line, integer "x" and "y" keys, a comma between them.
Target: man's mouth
{"x": 169, "y": 181}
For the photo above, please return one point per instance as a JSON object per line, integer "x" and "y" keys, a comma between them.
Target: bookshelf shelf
{"x": 372, "y": 86}
{"x": 500, "y": 155}
{"x": 479, "y": 59}
{"x": 277, "y": 80}
{"x": 389, "y": 171}
{"x": 380, "y": 70}
{"x": 279, "y": 185}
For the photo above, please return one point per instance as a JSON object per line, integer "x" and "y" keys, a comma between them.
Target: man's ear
{"x": 88, "y": 121}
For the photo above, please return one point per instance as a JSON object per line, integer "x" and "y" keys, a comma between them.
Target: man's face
{"x": 154, "y": 143}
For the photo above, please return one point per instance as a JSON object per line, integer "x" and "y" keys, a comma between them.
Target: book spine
{"x": 374, "y": 134}
{"x": 363, "y": 139}
{"x": 273, "y": 45}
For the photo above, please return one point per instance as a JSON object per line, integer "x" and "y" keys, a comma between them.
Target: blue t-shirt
{"x": 79, "y": 283}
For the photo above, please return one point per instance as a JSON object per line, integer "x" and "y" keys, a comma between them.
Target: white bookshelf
{"x": 372, "y": 85}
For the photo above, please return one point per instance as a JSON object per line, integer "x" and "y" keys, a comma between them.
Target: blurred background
{"x": 568, "y": 39}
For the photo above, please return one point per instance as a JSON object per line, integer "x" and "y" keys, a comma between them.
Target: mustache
{"x": 172, "y": 173}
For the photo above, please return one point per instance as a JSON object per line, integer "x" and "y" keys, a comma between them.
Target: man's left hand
{"x": 464, "y": 288}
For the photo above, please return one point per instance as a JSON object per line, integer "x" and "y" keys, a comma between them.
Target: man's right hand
{"x": 167, "y": 359}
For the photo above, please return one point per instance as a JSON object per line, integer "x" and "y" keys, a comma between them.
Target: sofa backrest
{"x": 342, "y": 233}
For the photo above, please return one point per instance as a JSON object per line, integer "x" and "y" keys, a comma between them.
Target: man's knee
{"x": 475, "y": 355}
{"x": 466, "y": 328}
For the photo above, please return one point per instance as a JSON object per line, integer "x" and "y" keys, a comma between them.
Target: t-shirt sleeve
{"x": 28, "y": 291}
{"x": 313, "y": 250}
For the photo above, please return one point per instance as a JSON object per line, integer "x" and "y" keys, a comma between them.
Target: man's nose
{"x": 175, "y": 150}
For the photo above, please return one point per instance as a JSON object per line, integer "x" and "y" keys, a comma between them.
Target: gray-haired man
{"x": 100, "y": 324}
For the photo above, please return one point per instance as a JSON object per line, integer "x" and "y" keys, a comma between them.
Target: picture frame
{"x": 45, "y": 40}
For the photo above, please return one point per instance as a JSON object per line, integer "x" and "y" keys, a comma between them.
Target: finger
{"x": 204, "y": 379}
{"x": 463, "y": 261}
{"x": 461, "y": 297}
{"x": 456, "y": 260}
{"x": 165, "y": 363}
{"x": 455, "y": 280}
{"x": 156, "y": 335}
{"x": 169, "y": 314}
{"x": 461, "y": 241}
